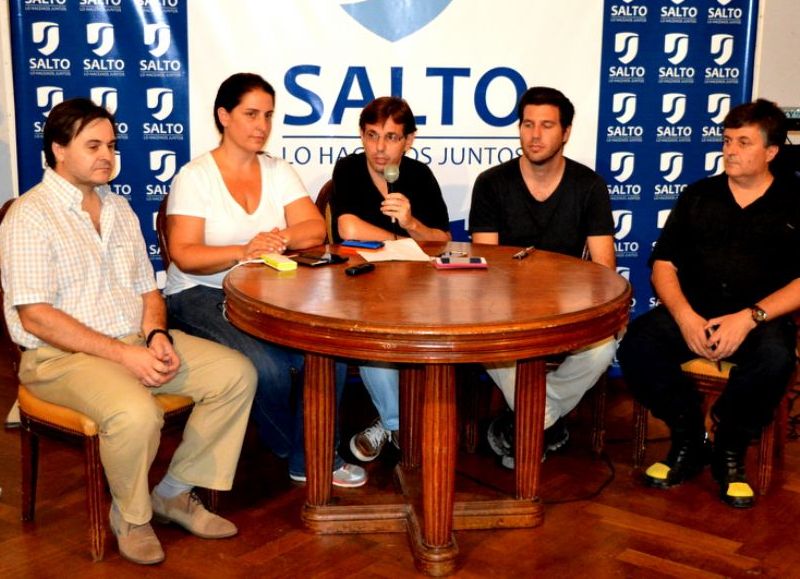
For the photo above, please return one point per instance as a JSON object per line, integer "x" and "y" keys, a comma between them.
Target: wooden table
{"x": 409, "y": 312}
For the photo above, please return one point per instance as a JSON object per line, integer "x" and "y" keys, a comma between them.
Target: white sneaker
{"x": 367, "y": 444}
{"x": 347, "y": 476}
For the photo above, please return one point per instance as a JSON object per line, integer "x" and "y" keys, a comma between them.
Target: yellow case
{"x": 278, "y": 261}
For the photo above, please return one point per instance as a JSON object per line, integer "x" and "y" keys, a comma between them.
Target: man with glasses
{"x": 365, "y": 206}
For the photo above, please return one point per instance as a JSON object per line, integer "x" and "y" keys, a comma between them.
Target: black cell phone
{"x": 318, "y": 259}
{"x": 709, "y": 332}
{"x": 360, "y": 268}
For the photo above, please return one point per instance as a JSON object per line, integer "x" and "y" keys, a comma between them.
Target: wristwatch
{"x": 758, "y": 314}
{"x": 155, "y": 331}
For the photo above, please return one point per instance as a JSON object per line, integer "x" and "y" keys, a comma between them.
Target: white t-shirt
{"x": 199, "y": 191}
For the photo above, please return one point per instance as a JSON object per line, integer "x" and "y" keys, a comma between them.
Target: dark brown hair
{"x": 384, "y": 108}
{"x": 66, "y": 121}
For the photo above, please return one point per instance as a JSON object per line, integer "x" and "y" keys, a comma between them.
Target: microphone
{"x": 391, "y": 173}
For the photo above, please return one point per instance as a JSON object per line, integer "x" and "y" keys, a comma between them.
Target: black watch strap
{"x": 152, "y": 334}
{"x": 758, "y": 314}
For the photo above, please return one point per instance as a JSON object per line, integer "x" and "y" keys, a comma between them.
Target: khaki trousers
{"x": 219, "y": 380}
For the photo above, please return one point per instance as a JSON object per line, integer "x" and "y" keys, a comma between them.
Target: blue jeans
{"x": 279, "y": 418}
{"x": 383, "y": 385}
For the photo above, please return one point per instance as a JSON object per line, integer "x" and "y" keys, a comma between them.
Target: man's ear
{"x": 410, "y": 140}
{"x": 58, "y": 152}
{"x": 772, "y": 151}
{"x": 567, "y": 133}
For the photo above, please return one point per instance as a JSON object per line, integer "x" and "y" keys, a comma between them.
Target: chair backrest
{"x": 5, "y": 337}
{"x": 4, "y": 209}
{"x": 323, "y": 203}
{"x": 161, "y": 232}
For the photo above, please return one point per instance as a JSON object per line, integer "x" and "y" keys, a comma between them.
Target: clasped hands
{"x": 717, "y": 338}
{"x": 265, "y": 242}
{"x": 155, "y": 365}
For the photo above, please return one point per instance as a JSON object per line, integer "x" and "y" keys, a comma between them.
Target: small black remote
{"x": 360, "y": 268}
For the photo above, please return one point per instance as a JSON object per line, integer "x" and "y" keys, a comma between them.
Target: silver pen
{"x": 523, "y": 253}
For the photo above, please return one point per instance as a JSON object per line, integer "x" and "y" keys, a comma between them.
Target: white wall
{"x": 777, "y": 64}
{"x": 8, "y": 171}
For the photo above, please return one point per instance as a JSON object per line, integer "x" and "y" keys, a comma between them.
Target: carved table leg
{"x": 529, "y": 436}
{"x": 318, "y": 397}
{"x": 412, "y": 382}
{"x": 437, "y": 554}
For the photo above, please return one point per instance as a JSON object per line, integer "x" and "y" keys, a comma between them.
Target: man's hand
{"x": 728, "y": 332}
{"x": 693, "y": 328}
{"x": 153, "y": 366}
{"x": 397, "y": 206}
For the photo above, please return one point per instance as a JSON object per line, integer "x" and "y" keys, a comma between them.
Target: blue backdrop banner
{"x": 671, "y": 70}
{"x": 651, "y": 81}
{"x": 130, "y": 56}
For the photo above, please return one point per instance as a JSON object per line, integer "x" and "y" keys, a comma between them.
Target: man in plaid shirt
{"x": 81, "y": 301}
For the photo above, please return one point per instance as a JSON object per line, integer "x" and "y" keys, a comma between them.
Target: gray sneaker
{"x": 500, "y": 435}
{"x": 555, "y": 437}
{"x": 347, "y": 476}
{"x": 367, "y": 444}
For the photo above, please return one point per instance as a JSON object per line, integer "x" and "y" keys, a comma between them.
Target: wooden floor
{"x": 590, "y": 530}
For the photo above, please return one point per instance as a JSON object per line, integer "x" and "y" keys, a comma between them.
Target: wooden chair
{"x": 711, "y": 381}
{"x": 41, "y": 418}
{"x": 323, "y": 203}
{"x": 161, "y": 232}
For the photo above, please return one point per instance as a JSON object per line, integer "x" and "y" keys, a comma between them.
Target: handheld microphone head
{"x": 391, "y": 173}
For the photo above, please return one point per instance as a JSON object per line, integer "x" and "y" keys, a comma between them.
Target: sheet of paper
{"x": 397, "y": 250}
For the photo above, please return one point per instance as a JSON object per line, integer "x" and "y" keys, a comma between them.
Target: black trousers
{"x": 653, "y": 349}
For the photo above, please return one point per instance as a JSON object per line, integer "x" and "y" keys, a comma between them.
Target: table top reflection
{"x": 412, "y": 312}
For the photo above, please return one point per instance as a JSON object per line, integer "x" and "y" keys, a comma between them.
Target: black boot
{"x": 727, "y": 467}
{"x": 688, "y": 455}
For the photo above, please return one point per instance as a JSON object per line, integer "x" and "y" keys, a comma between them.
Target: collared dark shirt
{"x": 579, "y": 207}
{"x": 729, "y": 257}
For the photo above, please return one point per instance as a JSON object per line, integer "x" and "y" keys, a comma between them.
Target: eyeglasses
{"x": 374, "y": 137}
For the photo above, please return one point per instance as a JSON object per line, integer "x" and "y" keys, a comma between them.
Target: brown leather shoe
{"x": 188, "y": 511}
{"x": 137, "y": 543}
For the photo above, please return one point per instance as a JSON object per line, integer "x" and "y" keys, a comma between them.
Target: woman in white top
{"x": 232, "y": 204}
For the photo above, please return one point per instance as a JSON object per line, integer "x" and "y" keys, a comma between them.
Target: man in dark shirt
{"x": 727, "y": 271}
{"x": 364, "y": 205}
{"x": 554, "y": 203}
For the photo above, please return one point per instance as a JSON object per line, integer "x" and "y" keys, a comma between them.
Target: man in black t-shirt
{"x": 365, "y": 206}
{"x": 727, "y": 271}
{"x": 546, "y": 200}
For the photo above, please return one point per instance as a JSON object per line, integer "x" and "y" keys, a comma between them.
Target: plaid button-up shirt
{"x": 51, "y": 253}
